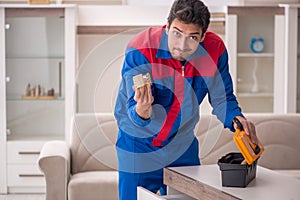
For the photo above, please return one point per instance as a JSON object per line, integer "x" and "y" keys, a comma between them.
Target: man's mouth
{"x": 181, "y": 52}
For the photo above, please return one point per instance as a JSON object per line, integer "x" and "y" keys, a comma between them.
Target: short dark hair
{"x": 190, "y": 12}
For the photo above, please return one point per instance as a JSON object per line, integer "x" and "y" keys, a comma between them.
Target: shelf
{"x": 36, "y": 57}
{"x": 256, "y": 55}
{"x": 35, "y": 10}
{"x": 39, "y": 97}
{"x": 19, "y": 137}
{"x": 255, "y": 95}
{"x": 44, "y": 98}
{"x": 26, "y": 6}
{"x": 255, "y": 10}
{"x": 109, "y": 29}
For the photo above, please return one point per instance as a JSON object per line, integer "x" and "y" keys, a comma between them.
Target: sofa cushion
{"x": 280, "y": 137}
{"x": 93, "y": 142}
{"x": 94, "y": 185}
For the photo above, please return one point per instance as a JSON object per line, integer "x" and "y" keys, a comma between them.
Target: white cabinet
{"x": 22, "y": 169}
{"x": 292, "y": 62}
{"x": 37, "y": 53}
{"x": 298, "y": 67}
{"x": 257, "y": 77}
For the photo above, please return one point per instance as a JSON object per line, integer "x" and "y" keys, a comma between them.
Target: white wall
{"x": 99, "y": 73}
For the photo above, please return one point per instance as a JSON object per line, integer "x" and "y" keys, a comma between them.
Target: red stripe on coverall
{"x": 174, "y": 110}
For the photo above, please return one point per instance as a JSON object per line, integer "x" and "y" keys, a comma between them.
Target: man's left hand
{"x": 249, "y": 128}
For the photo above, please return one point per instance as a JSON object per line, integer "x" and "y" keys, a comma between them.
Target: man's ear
{"x": 167, "y": 28}
{"x": 202, "y": 39}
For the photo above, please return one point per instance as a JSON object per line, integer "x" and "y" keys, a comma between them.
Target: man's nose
{"x": 183, "y": 44}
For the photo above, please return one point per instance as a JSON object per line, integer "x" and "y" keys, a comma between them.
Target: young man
{"x": 156, "y": 121}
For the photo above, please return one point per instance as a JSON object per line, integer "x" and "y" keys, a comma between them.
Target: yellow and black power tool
{"x": 251, "y": 152}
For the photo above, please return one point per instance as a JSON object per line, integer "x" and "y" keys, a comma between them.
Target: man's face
{"x": 183, "y": 39}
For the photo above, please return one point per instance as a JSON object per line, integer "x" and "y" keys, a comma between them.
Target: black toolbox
{"x": 235, "y": 174}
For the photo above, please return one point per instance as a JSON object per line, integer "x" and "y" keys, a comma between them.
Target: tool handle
{"x": 238, "y": 123}
{"x": 255, "y": 148}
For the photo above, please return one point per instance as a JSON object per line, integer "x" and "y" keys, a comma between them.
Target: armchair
{"x": 85, "y": 169}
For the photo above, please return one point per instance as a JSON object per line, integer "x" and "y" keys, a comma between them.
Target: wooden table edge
{"x": 193, "y": 187}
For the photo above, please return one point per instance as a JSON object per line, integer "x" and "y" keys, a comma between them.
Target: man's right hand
{"x": 143, "y": 97}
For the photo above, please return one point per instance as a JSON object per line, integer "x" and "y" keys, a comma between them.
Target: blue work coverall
{"x": 146, "y": 146}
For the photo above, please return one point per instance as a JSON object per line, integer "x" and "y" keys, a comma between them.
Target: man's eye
{"x": 175, "y": 33}
{"x": 194, "y": 38}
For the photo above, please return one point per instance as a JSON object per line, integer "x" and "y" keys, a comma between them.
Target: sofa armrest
{"x": 54, "y": 162}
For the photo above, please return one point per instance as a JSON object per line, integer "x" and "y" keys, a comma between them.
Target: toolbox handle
{"x": 238, "y": 123}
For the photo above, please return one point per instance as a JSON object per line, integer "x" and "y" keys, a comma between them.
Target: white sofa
{"x": 86, "y": 169}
